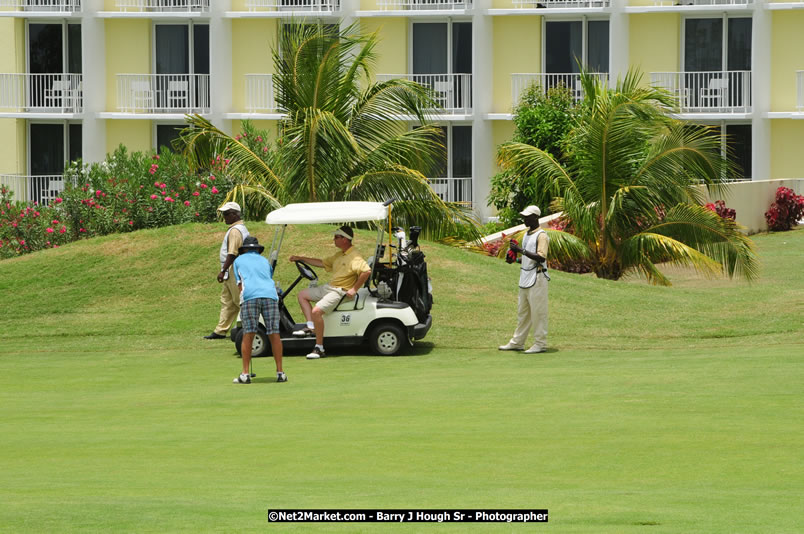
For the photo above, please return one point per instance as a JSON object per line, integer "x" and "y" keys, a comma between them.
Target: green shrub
{"x": 542, "y": 119}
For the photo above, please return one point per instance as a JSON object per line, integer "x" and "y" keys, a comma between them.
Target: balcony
{"x": 163, "y": 93}
{"x": 315, "y": 6}
{"x": 41, "y": 93}
{"x": 708, "y": 92}
{"x": 44, "y": 7}
{"x": 163, "y": 6}
{"x": 453, "y": 190}
{"x": 544, "y": 81}
{"x": 452, "y": 92}
{"x": 260, "y": 93}
{"x": 663, "y": 3}
{"x": 424, "y": 5}
{"x": 40, "y": 189}
{"x": 561, "y": 4}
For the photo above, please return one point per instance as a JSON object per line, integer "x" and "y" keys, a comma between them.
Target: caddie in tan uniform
{"x": 349, "y": 272}
{"x": 230, "y": 294}
{"x": 533, "y": 279}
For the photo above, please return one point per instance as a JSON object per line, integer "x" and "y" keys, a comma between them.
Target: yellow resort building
{"x": 80, "y": 77}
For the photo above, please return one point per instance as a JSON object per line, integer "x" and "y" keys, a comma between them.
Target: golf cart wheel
{"x": 260, "y": 347}
{"x": 387, "y": 339}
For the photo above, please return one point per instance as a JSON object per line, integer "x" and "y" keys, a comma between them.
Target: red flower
{"x": 186, "y": 202}
{"x": 49, "y": 230}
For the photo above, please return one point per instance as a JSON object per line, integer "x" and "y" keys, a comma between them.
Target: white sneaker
{"x": 316, "y": 354}
{"x": 244, "y": 378}
{"x": 535, "y": 349}
{"x": 510, "y": 346}
{"x": 304, "y": 332}
{"x": 281, "y": 377}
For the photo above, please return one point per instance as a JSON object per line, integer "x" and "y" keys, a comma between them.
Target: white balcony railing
{"x": 61, "y": 6}
{"x": 43, "y": 93}
{"x": 424, "y": 5}
{"x": 260, "y": 93}
{"x": 545, "y": 81}
{"x": 702, "y": 2}
{"x": 293, "y": 5}
{"x": 561, "y": 3}
{"x": 453, "y": 92}
{"x": 708, "y": 92}
{"x": 163, "y": 93}
{"x": 453, "y": 189}
{"x": 41, "y": 189}
{"x": 800, "y": 87}
{"x": 162, "y": 6}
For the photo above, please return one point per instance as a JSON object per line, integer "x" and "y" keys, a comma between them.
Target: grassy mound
{"x": 676, "y": 408}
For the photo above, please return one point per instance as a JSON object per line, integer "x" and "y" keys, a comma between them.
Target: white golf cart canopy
{"x": 328, "y": 212}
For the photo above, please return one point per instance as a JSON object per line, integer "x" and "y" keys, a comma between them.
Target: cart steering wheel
{"x": 305, "y": 270}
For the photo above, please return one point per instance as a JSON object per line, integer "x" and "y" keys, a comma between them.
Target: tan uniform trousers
{"x": 230, "y": 304}
{"x": 532, "y": 312}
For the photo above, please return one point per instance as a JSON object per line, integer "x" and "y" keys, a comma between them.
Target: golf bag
{"x": 413, "y": 285}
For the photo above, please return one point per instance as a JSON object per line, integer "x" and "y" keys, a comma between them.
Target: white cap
{"x": 230, "y": 206}
{"x": 531, "y": 210}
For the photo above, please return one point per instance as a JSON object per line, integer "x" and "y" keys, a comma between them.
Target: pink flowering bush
{"x": 785, "y": 212}
{"x": 126, "y": 192}
{"x": 28, "y": 227}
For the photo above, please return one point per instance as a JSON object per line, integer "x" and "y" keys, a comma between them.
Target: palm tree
{"x": 630, "y": 191}
{"x": 343, "y": 135}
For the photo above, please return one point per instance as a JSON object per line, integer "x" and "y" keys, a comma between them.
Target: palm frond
{"x": 720, "y": 240}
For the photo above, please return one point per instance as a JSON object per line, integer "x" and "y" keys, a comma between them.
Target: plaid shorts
{"x": 250, "y": 315}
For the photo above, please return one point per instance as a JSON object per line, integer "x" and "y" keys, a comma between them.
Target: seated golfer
{"x": 349, "y": 273}
{"x": 258, "y": 295}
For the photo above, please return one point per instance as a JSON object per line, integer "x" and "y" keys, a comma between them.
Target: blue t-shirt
{"x": 254, "y": 272}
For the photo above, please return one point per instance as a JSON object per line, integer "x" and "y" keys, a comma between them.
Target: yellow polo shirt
{"x": 346, "y": 267}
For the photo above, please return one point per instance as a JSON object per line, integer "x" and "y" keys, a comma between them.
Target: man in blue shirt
{"x": 254, "y": 277}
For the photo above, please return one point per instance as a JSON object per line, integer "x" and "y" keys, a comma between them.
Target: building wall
{"x": 517, "y": 49}
{"x": 787, "y": 148}
{"x": 786, "y": 58}
{"x": 252, "y": 43}
{"x": 654, "y": 41}
{"x": 128, "y": 51}
{"x": 136, "y": 135}
{"x": 392, "y": 48}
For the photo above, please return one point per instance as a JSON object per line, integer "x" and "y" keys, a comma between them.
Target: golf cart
{"x": 389, "y": 312}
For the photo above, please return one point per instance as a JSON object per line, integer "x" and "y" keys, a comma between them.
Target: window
{"x": 47, "y": 145}
{"x": 181, "y": 62}
{"x": 166, "y": 134}
{"x": 704, "y": 44}
{"x": 738, "y": 138}
{"x": 568, "y": 43}
{"x": 442, "y": 48}
{"x": 452, "y": 179}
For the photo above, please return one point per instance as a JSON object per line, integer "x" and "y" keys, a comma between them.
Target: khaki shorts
{"x": 326, "y": 297}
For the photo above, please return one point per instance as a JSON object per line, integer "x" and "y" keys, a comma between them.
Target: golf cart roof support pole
{"x": 275, "y": 248}
{"x": 377, "y": 244}
{"x": 390, "y": 237}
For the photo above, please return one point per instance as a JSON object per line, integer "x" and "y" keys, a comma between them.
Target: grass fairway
{"x": 659, "y": 410}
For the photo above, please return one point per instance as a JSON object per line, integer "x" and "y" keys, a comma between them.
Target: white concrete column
{"x": 93, "y": 65}
{"x": 761, "y": 93}
{"x": 618, "y": 41}
{"x": 220, "y": 64}
{"x": 483, "y": 148}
